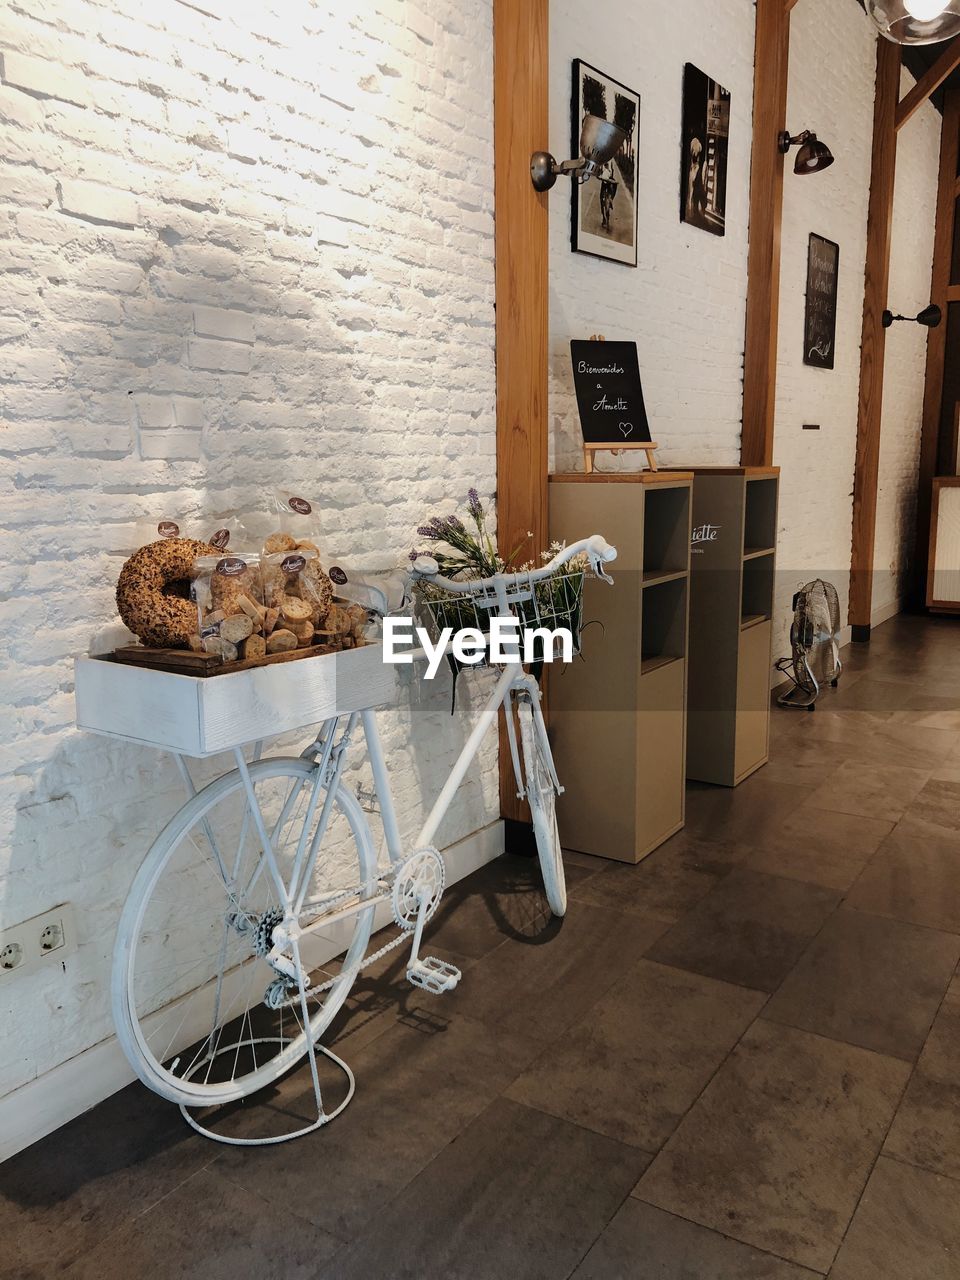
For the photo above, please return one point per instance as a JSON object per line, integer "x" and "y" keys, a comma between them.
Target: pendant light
{"x": 916, "y": 21}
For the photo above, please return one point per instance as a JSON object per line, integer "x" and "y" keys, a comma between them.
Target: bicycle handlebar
{"x": 596, "y": 548}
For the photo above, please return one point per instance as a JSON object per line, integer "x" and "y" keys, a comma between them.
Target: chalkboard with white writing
{"x": 609, "y": 395}
{"x": 820, "y": 315}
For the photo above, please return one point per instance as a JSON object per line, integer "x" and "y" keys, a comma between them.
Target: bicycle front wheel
{"x": 542, "y": 798}
{"x": 203, "y": 1014}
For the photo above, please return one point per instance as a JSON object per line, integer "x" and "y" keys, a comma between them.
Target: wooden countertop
{"x": 750, "y": 472}
{"x": 621, "y": 477}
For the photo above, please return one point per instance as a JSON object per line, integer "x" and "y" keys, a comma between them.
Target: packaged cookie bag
{"x": 297, "y": 594}
{"x": 298, "y": 525}
{"x": 231, "y": 615}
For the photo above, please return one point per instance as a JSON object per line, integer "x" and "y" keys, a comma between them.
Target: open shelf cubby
{"x": 756, "y": 593}
{"x": 663, "y": 624}
{"x": 760, "y": 516}
{"x": 666, "y": 533}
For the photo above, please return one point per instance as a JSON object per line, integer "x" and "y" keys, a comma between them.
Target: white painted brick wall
{"x": 830, "y": 91}
{"x": 684, "y": 303}
{"x": 831, "y": 88}
{"x": 238, "y": 252}
{"x": 918, "y": 162}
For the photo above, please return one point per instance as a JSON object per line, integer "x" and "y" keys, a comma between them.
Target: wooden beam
{"x": 911, "y": 103}
{"x": 940, "y": 291}
{"x": 876, "y": 280}
{"x": 771, "y": 53}
{"x": 520, "y": 101}
{"x": 953, "y": 293}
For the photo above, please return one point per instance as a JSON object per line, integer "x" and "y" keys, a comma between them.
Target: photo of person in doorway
{"x": 696, "y": 191}
{"x": 703, "y": 158}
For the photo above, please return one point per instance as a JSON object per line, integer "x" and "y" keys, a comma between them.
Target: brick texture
{"x": 242, "y": 247}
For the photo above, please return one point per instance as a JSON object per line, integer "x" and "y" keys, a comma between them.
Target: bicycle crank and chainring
{"x": 420, "y": 878}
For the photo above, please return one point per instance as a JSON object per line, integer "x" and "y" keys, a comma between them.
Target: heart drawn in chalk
{"x": 626, "y": 429}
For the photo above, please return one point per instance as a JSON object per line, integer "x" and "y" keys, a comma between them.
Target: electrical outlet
{"x": 52, "y": 937}
{"x": 27, "y": 945}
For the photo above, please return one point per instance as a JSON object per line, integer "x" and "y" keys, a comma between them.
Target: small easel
{"x": 649, "y": 447}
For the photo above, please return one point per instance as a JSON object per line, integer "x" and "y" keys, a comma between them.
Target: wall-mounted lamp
{"x": 916, "y": 21}
{"x": 929, "y": 316}
{"x": 813, "y": 155}
{"x": 600, "y": 140}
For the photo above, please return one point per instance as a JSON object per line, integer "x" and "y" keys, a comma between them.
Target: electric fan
{"x": 814, "y": 639}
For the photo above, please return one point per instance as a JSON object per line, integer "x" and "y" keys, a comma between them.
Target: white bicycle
{"x": 248, "y": 922}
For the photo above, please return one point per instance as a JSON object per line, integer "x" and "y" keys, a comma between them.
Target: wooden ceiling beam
{"x": 911, "y": 102}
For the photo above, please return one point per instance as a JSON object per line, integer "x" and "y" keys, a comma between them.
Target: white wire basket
{"x": 546, "y": 605}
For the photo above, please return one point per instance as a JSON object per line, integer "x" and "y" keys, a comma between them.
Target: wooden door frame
{"x": 947, "y": 191}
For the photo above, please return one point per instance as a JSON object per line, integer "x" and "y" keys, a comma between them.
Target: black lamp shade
{"x": 930, "y": 317}
{"x": 812, "y": 156}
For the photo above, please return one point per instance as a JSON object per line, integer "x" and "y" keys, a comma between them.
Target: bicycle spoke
{"x": 213, "y": 1015}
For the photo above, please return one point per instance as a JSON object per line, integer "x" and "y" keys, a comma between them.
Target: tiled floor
{"x": 737, "y": 1061}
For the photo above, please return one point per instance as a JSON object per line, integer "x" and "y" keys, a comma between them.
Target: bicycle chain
{"x": 402, "y": 937}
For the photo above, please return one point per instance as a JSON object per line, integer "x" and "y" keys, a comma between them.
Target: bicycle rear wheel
{"x": 202, "y": 1014}
{"x": 542, "y": 798}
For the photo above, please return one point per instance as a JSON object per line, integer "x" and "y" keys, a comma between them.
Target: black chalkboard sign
{"x": 609, "y": 395}
{"x": 820, "y": 314}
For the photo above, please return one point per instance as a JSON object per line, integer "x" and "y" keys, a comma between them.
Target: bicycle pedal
{"x": 433, "y": 975}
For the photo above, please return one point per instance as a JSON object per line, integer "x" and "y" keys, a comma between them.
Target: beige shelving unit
{"x": 617, "y": 719}
{"x": 732, "y": 569}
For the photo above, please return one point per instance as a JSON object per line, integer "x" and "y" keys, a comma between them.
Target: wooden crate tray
{"x": 200, "y": 716}
{"x": 186, "y": 662}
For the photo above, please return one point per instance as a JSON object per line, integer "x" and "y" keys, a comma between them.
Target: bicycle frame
{"x": 330, "y": 754}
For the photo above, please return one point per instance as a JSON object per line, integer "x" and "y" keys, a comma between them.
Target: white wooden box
{"x": 199, "y": 716}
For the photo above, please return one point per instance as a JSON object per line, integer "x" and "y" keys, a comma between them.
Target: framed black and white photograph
{"x": 703, "y": 155}
{"x": 604, "y": 214}
{"x": 820, "y": 311}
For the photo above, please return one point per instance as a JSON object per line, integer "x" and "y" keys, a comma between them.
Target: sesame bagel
{"x": 153, "y": 592}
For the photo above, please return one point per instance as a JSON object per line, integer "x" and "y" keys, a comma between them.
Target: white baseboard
{"x": 885, "y": 611}
{"x": 37, "y": 1108}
